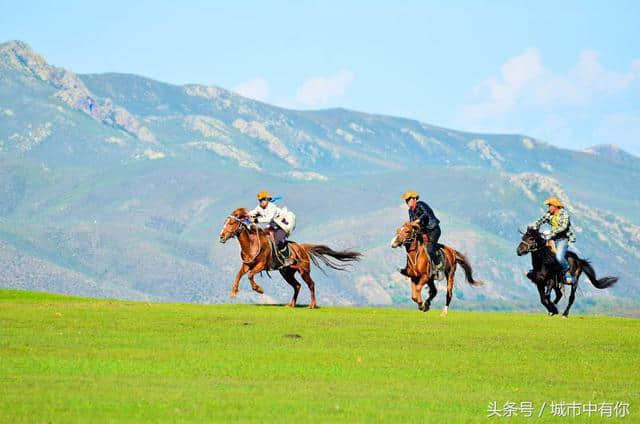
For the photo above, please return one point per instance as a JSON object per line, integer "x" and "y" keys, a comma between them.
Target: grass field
{"x": 87, "y": 360}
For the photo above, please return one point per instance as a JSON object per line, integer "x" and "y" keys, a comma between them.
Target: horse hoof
{"x": 313, "y": 306}
{"x": 444, "y": 312}
{"x": 565, "y": 315}
{"x": 258, "y": 289}
{"x": 234, "y": 294}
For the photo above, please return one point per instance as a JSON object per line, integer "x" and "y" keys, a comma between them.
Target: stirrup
{"x": 568, "y": 278}
{"x": 287, "y": 262}
{"x": 438, "y": 271}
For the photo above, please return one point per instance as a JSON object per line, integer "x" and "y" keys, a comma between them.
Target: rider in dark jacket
{"x": 422, "y": 214}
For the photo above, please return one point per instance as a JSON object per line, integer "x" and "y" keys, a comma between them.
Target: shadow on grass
{"x": 281, "y": 305}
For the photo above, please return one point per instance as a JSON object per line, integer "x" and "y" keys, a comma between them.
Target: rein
{"x": 243, "y": 227}
{"x": 531, "y": 247}
{"x": 408, "y": 241}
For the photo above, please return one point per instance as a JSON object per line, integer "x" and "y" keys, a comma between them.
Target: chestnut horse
{"x": 255, "y": 252}
{"x": 419, "y": 266}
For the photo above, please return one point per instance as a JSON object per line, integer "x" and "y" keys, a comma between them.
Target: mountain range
{"x": 116, "y": 185}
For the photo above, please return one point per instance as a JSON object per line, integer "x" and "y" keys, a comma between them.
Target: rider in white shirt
{"x": 266, "y": 213}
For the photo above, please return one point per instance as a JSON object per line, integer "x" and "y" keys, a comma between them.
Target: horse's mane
{"x": 406, "y": 224}
{"x": 549, "y": 256}
{"x": 533, "y": 232}
{"x": 240, "y": 213}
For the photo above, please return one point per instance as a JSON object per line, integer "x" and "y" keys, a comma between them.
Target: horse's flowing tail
{"x": 601, "y": 283}
{"x": 324, "y": 255}
{"x": 468, "y": 271}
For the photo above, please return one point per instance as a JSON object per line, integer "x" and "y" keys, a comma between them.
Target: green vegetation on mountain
{"x": 116, "y": 185}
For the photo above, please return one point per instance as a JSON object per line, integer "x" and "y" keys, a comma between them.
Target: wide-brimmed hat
{"x": 409, "y": 195}
{"x": 264, "y": 195}
{"x": 554, "y": 201}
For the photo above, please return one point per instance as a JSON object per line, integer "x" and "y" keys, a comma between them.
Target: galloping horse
{"x": 419, "y": 266}
{"x": 547, "y": 274}
{"x": 255, "y": 252}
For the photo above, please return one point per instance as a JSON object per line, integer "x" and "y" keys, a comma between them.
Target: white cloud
{"x": 524, "y": 81}
{"x": 503, "y": 91}
{"x": 256, "y": 88}
{"x": 319, "y": 90}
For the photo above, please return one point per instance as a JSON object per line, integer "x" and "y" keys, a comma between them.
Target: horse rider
{"x": 561, "y": 232}
{"x": 420, "y": 213}
{"x": 266, "y": 213}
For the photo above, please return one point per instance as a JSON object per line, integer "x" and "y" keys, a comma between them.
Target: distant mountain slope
{"x": 121, "y": 183}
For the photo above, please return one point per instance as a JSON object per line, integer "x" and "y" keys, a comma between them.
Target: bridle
{"x": 245, "y": 227}
{"x": 411, "y": 238}
{"x": 407, "y": 242}
{"x": 531, "y": 247}
{"x": 240, "y": 228}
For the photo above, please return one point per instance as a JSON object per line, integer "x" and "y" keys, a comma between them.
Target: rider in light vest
{"x": 266, "y": 213}
{"x": 561, "y": 232}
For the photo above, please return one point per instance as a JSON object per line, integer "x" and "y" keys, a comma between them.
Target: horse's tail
{"x": 601, "y": 283}
{"x": 468, "y": 271}
{"x": 324, "y": 255}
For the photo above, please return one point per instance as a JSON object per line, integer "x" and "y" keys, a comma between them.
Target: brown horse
{"x": 255, "y": 252}
{"x": 419, "y": 266}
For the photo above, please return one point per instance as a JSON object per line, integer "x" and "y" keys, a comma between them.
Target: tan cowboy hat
{"x": 264, "y": 195}
{"x": 554, "y": 201}
{"x": 410, "y": 194}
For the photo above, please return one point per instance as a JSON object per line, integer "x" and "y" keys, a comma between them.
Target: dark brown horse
{"x": 547, "y": 274}
{"x": 419, "y": 266}
{"x": 255, "y": 252}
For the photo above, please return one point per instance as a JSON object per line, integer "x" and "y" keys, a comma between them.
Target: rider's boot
{"x": 284, "y": 253}
{"x": 439, "y": 267}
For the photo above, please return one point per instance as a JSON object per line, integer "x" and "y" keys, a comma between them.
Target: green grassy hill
{"x": 66, "y": 359}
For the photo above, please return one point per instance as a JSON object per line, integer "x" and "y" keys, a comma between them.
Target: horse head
{"x": 405, "y": 234}
{"x": 236, "y": 222}
{"x": 531, "y": 241}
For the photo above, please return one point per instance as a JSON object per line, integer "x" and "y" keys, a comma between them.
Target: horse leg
{"x": 289, "y": 276}
{"x": 414, "y": 292}
{"x": 558, "y": 295}
{"x": 254, "y": 285}
{"x": 572, "y": 296}
{"x": 306, "y": 276}
{"x": 416, "y": 288}
{"x": 450, "y": 276}
{"x": 236, "y": 282}
{"x": 553, "y": 310}
{"x": 543, "y": 297}
{"x": 432, "y": 293}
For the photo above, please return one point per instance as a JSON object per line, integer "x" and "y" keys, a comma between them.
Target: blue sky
{"x": 566, "y": 72}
